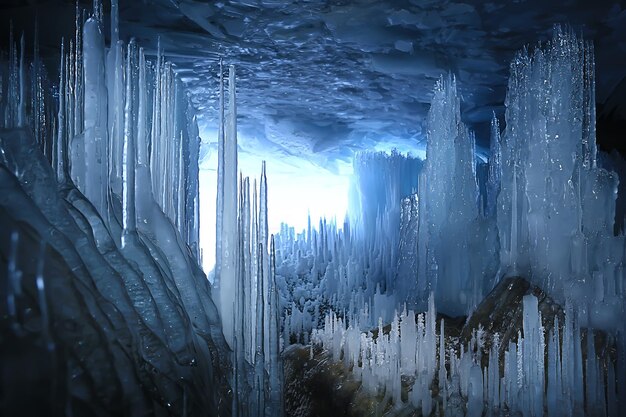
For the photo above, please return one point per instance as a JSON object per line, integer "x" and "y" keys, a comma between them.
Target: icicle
{"x": 143, "y": 182}
{"x": 275, "y": 366}
{"x": 155, "y": 149}
{"x": 128, "y": 158}
{"x": 263, "y": 238}
{"x": 21, "y": 112}
{"x": 260, "y": 316}
{"x": 239, "y": 310}
{"x": 10, "y": 117}
{"x": 115, "y": 29}
{"x": 36, "y": 92}
{"x": 256, "y": 263}
{"x": 115, "y": 115}
{"x": 70, "y": 87}
{"x": 60, "y": 146}
{"x": 495, "y": 169}
{"x": 79, "y": 88}
{"x": 220, "y": 181}
{"x": 180, "y": 187}
{"x": 95, "y": 135}
{"x": 230, "y": 230}
{"x": 97, "y": 10}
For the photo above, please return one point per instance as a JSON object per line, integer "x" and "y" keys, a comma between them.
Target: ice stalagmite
{"x": 265, "y": 259}
{"x": 275, "y": 364}
{"x": 259, "y": 359}
{"x": 248, "y": 275}
{"x": 255, "y": 262}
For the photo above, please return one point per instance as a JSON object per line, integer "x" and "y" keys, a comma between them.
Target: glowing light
{"x": 296, "y": 187}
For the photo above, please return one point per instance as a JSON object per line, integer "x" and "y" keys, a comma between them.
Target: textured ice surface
{"x": 118, "y": 321}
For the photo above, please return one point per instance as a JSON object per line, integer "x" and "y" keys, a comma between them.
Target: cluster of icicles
{"x": 564, "y": 386}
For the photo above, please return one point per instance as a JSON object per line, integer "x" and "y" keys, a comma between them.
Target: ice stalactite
{"x": 264, "y": 260}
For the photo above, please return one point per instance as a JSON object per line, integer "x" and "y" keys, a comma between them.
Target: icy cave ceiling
{"x": 322, "y": 79}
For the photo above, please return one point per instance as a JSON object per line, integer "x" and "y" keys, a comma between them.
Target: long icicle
{"x": 61, "y": 142}
{"x": 219, "y": 212}
{"x": 128, "y": 158}
{"x": 21, "y": 112}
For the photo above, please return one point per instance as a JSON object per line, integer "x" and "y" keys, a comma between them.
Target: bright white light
{"x": 295, "y": 188}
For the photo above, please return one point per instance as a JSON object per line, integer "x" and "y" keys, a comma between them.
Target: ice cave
{"x": 312, "y": 208}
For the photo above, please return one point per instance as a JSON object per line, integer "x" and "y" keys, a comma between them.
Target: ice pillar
{"x": 229, "y": 238}
{"x": 95, "y": 135}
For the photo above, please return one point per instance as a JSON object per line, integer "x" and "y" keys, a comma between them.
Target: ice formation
{"x": 99, "y": 216}
{"x": 245, "y": 275}
{"x": 99, "y": 226}
{"x": 547, "y": 214}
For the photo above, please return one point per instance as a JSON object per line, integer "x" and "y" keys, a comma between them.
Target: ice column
{"x": 95, "y": 135}
{"x": 129, "y": 150}
{"x": 229, "y": 237}
{"x": 495, "y": 169}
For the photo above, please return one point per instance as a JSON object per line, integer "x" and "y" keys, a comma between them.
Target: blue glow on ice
{"x": 298, "y": 187}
